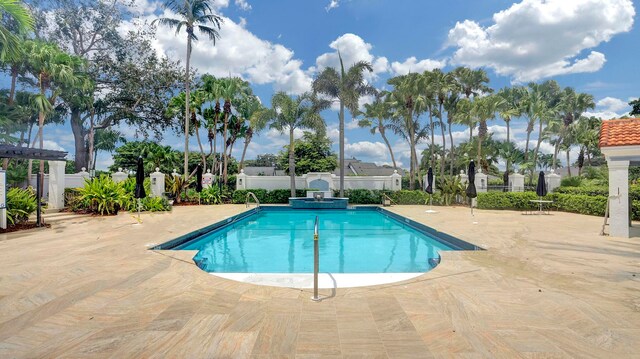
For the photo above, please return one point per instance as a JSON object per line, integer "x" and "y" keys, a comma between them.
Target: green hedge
{"x": 634, "y": 191}
{"x": 276, "y": 196}
{"x": 356, "y": 196}
{"x": 590, "y": 204}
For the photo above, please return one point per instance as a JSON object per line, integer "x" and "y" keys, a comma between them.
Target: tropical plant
{"x": 103, "y": 195}
{"x": 377, "y": 116}
{"x": 254, "y": 116}
{"x": 193, "y": 15}
{"x": 155, "y": 204}
{"x": 346, "y": 87}
{"x": 175, "y": 186}
{"x": 290, "y": 113}
{"x": 451, "y": 187}
{"x": 508, "y": 106}
{"x": 21, "y": 203}
{"x": 212, "y": 195}
{"x": 22, "y": 21}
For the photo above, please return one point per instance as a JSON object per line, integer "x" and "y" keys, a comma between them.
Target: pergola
{"x": 56, "y": 167}
{"x": 620, "y": 143}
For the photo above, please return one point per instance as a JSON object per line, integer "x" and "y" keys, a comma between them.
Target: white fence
{"x": 73, "y": 180}
{"x": 320, "y": 181}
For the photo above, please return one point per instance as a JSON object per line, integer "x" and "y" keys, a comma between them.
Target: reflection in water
{"x": 292, "y": 250}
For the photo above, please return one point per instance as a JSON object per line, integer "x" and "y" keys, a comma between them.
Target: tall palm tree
{"x": 407, "y": 102}
{"x": 571, "y": 106}
{"x": 213, "y": 90}
{"x": 464, "y": 115}
{"x": 289, "y": 114}
{"x": 193, "y": 15}
{"x": 484, "y": 109}
{"x": 346, "y": 87}
{"x": 428, "y": 90}
{"x": 22, "y": 22}
{"x": 443, "y": 85}
{"x": 251, "y": 110}
{"x": 231, "y": 89}
{"x": 450, "y": 105}
{"x": 508, "y": 106}
{"x": 377, "y": 118}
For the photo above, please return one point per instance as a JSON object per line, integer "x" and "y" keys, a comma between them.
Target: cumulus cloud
{"x": 366, "y": 149}
{"x": 269, "y": 63}
{"x": 608, "y": 108}
{"x": 243, "y": 4}
{"x": 413, "y": 65}
{"x": 535, "y": 39}
{"x": 352, "y": 49}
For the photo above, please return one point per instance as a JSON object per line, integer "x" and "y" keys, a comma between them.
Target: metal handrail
{"x": 251, "y": 194}
{"x": 316, "y": 261}
{"x": 384, "y": 195}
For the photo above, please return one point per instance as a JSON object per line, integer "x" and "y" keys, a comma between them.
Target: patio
{"x": 548, "y": 286}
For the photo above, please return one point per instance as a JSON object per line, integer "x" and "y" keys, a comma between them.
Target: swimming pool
{"x": 280, "y": 240}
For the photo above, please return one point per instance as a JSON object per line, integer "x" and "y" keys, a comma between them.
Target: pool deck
{"x": 547, "y": 286}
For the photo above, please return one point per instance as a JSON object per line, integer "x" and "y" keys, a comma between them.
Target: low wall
{"x": 321, "y": 181}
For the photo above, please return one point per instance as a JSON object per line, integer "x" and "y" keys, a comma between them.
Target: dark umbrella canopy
{"x": 139, "y": 191}
{"x": 199, "y": 179}
{"x": 505, "y": 180}
{"x": 541, "y": 189}
{"x": 471, "y": 188}
{"x": 430, "y": 181}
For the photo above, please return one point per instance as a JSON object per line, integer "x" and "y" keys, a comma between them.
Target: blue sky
{"x": 591, "y": 45}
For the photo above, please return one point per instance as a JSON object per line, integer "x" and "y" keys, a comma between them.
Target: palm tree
{"x": 174, "y": 110}
{"x": 450, "y": 105}
{"x": 213, "y": 90}
{"x": 377, "y": 116}
{"x": 194, "y": 14}
{"x": 472, "y": 82}
{"x": 346, "y": 87}
{"x": 484, "y": 109}
{"x": 443, "y": 85}
{"x": 464, "y": 115}
{"x": 251, "y": 110}
{"x": 231, "y": 89}
{"x": 22, "y": 22}
{"x": 571, "y": 106}
{"x": 289, "y": 114}
{"x": 407, "y": 102}
{"x": 53, "y": 70}
{"x": 508, "y": 100}
{"x": 105, "y": 140}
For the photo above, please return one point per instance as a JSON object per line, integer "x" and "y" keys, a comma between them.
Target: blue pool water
{"x": 351, "y": 241}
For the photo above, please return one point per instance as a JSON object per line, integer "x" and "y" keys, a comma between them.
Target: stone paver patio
{"x": 548, "y": 286}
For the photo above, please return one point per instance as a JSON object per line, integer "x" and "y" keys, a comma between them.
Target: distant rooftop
{"x": 622, "y": 132}
{"x": 355, "y": 167}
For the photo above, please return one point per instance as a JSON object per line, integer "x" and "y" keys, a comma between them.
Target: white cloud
{"x": 352, "y": 49}
{"x": 413, "y": 65}
{"x": 366, "y": 149}
{"x": 332, "y": 5}
{"x": 535, "y": 39}
{"x": 608, "y": 108}
{"x": 51, "y": 145}
{"x": 243, "y": 4}
{"x": 269, "y": 63}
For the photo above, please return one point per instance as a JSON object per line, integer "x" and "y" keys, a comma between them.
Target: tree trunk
{"x": 479, "y": 150}
{"x": 432, "y": 160}
{"x": 247, "y": 140}
{"x": 12, "y": 91}
{"x": 568, "y": 161}
{"x": 556, "y": 149}
{"x": 451, "y": 153}
{"x": 292, "y": 163}
{"x": 224, "y": 147}
{"x": 204, "y": 159}
{"x": 79, "y": 134}
{"x": 508, "y": 143}
{"x": 214, "y": 167}
{"x": 526, "y": 145}
{"x": 92, "y": 151}
{"x": 386, "y": 141}
{"x": 470, "y": 132}
{"x": 444, "y": 143}
{"x": 341, "y": 130}
{"x": 40, "y": 135}
{"x": 186, "y": 107}
{"x": 535, "y": 153}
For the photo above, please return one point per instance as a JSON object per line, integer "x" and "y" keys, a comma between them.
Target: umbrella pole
{"x": 139, "y": 206}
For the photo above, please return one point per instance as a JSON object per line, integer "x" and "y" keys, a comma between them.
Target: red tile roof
{"x": 623, "y": 132}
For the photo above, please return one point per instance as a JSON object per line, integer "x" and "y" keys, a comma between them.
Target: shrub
{"x": 211, "y": 195}
{"x": 579, "y": 203}
{"x": 175, "y": 185}
{"x": 451, "y": 188}
{"x": 363, "y": 196}
{"x": 72, "y": 200}
{"x": 103, "y": 195}
{"x": 155, "y": 204}
{"x": 573, "y": 181}
{"x": 21, "y": 203}
{"x": 409, "y": 197}
{"x": 506, "y": 200}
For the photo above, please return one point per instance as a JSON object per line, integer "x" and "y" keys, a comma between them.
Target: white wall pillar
{"x": 56, "y": 185}
{"x": 618, "y": 198}
{"x": 207, "y": 179}
{"x": 553, "y": 181}
{"x": 84, "y": 174}
{"x": 396, "y": 181}
{"x": 119, "y": 176}
{"x": 241, "y": 180}
{"x": 157, "y": 183}
{"x": 481, "y": 181}
{"x": 516, "y": 182}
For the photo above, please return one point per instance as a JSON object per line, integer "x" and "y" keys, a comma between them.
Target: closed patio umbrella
{"x": 541, "y": 190}
{"x": 429, "y": 189}
{"x": 199, "y": 179}
{"x": 471, "y": 188}
{"x": 139, "y": 191}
